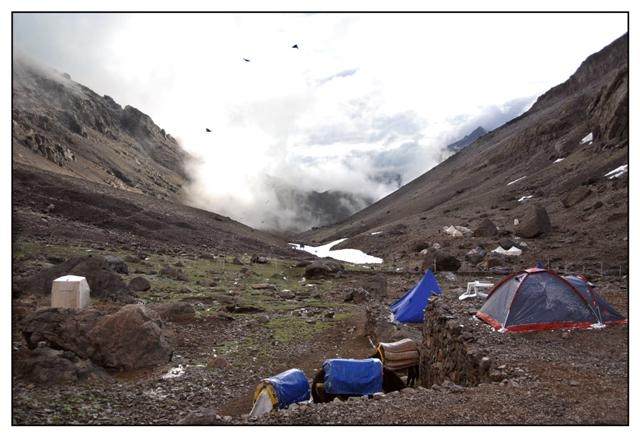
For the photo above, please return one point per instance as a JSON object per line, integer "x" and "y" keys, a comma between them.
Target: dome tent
{"x": 537, "y": 299}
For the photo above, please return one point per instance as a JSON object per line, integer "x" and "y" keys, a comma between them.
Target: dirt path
{"x": 346, "y": 340}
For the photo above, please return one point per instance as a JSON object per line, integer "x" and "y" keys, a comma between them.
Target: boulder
{"x": 259, "y": 259}
{"x": 507, "y": 244}
{"x": 173, "y": 273}
{"x": 534, "y": 223}
{"x": 576, "y": 196}
{"x": 323, "y": 268}
{"x": 475, "y": 255}
{"x": 357, "y": 295}
{"x": 50, "y": 366}
{"x": 486, "y": 228}
{"x": 440, "y": 261}
{"x": 139, "y": 283}
{"x": 62, "y": 328}
{"x": 175, "y": 311}
{"x": 117, "y": 264}
{"x": 376, "y": 286}
{"x": 133, "y": 337}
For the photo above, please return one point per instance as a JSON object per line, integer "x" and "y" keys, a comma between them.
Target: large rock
{"x": 45, "y": 365}
{"x": 117, "y": 264}
{"x": 175, "y": 311}
{"x": 475, "y": 255}
{"x": 440, "y": 261}
{"x": 131, "y": 338}
{"x": 139, "y": 283}
{"x": 485, "y": 229}
{"x": 376, "y": 286}
{"x": 134, "y": 337}
{"x": 576, "y": 196}
{"x": 103, "y": 282}
{"x": 535, "y": 222}
{"x": 62, "y": 328}
{"x": 323, "y": 268}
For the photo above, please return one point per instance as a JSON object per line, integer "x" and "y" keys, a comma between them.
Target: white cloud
{"x": 360, "y": 87}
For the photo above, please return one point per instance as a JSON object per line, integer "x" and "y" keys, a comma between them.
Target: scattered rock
{"x": 173, "y": 273}
{"x": 259, "y": 259}
{"x": 203, "y": 416}
{"x": 476, "y": 255}
{"x": 486, "y": 228}
{"x": 117, "y": 264}
{"x": 139, "y": 283}
{"x": 323, "y": 268}
{"x": 175, "y": 311}
{"x": 357, "y": 295}
{"x": 264, "y": 286}
{"x": 535, "y": 222}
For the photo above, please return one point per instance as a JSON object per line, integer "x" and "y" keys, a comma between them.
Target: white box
{"x": 70, "y": 292}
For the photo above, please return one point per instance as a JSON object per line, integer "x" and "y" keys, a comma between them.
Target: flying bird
{"x": 208, "y": 130}
{"x": 295, "y": 46}
{"x": 246, "y": 60}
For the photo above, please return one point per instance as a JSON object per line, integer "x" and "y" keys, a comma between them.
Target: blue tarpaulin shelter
{"x": 343, "y": 376}
{"x": 286, "y": 388}
{"x": 410, "y": 307}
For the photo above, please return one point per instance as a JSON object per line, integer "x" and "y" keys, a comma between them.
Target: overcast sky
{"x": 363, "y": 94}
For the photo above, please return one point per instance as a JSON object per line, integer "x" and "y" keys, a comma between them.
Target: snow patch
{"x": 558, "y": 160}
{"x": 376, "y": 233}
{"x": 587, "y": 139}
{"x": 513, "y": 182}
{"x": 352, "y": 256}
{"x": 617, "y": 172}
{"x": 523, "y": 198}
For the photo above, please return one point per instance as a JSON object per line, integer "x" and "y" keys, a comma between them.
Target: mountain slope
{"x": 475, "y": 183}
{"x": 87, "y": 171}
{"x": 64, "y": 127}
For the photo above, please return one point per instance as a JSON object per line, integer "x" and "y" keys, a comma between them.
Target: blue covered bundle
{"x": 288, "y": 387}
{"x": 352, "y": 377}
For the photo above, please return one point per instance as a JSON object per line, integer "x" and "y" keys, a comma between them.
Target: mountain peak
{"x": 468, "y": 139}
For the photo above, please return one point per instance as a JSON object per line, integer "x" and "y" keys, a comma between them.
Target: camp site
{"x": 328, "y": 219}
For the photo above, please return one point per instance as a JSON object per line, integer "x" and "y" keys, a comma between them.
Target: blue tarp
{"x": 344, "y": 376}
{"x": 410, "y": 307}
{"x": 291, "y": 386}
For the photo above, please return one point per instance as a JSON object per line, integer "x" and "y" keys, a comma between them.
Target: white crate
{"x": 70, "y": 292}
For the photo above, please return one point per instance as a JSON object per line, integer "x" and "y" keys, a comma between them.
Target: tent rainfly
{"x": 537, "y": 299}
{"x": 410, "y": 307}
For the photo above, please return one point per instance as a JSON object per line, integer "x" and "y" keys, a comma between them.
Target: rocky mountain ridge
{"x": 562, "y": 148}
{"x": 62, "y": 126}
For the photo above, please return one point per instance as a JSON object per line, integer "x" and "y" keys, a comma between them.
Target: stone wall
{"x": 449, "y": 350}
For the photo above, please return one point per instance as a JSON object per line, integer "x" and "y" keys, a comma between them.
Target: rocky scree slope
{"x": 64, "y": 127}
{"x": 555, "y": 155}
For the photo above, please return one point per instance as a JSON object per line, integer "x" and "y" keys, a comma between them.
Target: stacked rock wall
{"x": 449, "y": 351}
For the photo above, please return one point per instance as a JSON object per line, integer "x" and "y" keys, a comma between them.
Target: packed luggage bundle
{"x": 399, "y": 355}
{"x": 280, "y": 391}
{"x": 352, "y": 377}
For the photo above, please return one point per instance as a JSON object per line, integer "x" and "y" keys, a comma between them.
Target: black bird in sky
{"x": 295, "y": 46}
{"x": 208, "y": 130}
{"x": 246, "y": 60}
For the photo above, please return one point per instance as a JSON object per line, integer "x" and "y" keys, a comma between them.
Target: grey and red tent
{"x": 537, "y": 299}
